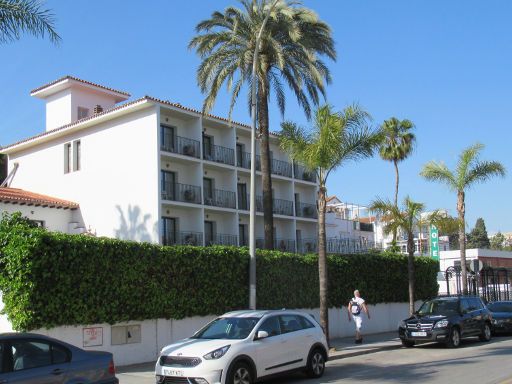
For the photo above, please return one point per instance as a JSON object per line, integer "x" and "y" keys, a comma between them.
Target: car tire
{"x": 316, "y": 363}
{"x": 486, "y": 333}
{"x": 408, "y": 343}
{"x": 240, "y": 373}
{"x": 454, "y": 338}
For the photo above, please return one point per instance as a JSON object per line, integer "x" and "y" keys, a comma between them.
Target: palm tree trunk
{"x": 322, "y": 261}
{"x": 461, "y": 209}
{"x": 410, "y": 268}
{"x": 397, "y": 180}
{"x": 268, "y": 219}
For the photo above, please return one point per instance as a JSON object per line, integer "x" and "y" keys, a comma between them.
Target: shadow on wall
{"x": 133, "y": 226}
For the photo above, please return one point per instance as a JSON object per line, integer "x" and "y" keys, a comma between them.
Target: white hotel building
{"x": 152, "y": 170}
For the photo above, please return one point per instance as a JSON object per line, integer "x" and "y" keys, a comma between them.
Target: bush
{"x": 51, "y": 279}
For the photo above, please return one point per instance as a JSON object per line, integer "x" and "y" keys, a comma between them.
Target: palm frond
{"x": 483, "y": 171}
{"x": 436, "y": 171}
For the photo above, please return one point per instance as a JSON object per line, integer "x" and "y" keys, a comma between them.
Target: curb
{"x": 339, "y": 356}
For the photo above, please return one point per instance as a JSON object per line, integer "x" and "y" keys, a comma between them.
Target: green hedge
{"x": 51, "y": 279}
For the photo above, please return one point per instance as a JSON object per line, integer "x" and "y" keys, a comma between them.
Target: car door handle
{"x": 57, "y": 371}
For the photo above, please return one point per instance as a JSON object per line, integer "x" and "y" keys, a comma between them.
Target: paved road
{"x": 474, "y": 362}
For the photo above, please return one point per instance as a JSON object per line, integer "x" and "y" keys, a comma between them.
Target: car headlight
{"x": 497, "y": 321}
{"x": 441, "y": 324}
{"x": 217, "y": 354}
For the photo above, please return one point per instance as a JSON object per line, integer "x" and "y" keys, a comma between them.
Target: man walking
{"x": 355, "y": 307}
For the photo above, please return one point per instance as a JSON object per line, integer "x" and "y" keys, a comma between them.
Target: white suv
{"x": 244, "y": 346}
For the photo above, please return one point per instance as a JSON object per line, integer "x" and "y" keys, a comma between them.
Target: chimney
{"x": 98, "y": 109}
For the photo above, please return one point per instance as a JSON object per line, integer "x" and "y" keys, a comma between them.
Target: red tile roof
{"x": 20, "y": 196}
{"x": 79, "y": 80}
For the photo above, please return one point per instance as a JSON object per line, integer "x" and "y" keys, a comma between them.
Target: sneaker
{"x": 359, "y": 341}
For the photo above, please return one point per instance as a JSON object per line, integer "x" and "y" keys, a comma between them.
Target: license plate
{"x": 419, "y": 334}
{"x": 173, "y": 372}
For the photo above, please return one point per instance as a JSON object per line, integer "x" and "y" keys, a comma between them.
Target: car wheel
{"x": 454, "y": 338}
{"x": 316, "y": 364}
{"x": 240, "y": 374}
{"x": 486, "y": 333}
{"x": 408, "y": 343}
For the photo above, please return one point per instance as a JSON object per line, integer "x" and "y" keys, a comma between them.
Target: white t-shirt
{"x": 360, "y": 302}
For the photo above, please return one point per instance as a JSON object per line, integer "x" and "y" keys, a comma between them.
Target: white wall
{"x": 54, "y": 219}
{"x": 58, "y": 109}
{"x": 86, "y": 98}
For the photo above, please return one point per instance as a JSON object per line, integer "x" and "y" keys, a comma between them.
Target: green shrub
{"x": 51, "y": 279}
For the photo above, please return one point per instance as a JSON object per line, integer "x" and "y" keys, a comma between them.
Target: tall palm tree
{"x": 405, "y": 219}
{"x": 25, "y": 16}
{"x": 397, "y": 145}
{"x": 291, "y": 45}
{"x": 335, "y": 139}
{"x": 468, "y": 171}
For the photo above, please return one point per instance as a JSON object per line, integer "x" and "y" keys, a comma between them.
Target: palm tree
{"x": 291, "y": 44}
{"x": 397, "y": 145}
{"x": 406, "y": 220}
{"x": 468, "y": 171}
{"x": 335, "y": 139}
{"x": 25, "y": 16}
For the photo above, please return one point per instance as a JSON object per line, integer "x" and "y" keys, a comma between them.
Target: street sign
{"x": 434, "y": 242}
{"x": 476, "y": 265}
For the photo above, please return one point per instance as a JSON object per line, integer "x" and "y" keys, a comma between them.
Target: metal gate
{"x": 491, "y": 284}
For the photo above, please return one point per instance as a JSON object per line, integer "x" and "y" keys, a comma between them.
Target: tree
{"x": 478, "y": 238}
{"x": 468, "y": 171}
{"x": 293, "y": 41}
{"x": 405, "y": 219}
{"x": 397, "y": 145}
{"x": 497, "y": 241}
{"x": 25, "y": 16}
{"x": 335, "y": 139}
{"x": 447, "y": 226}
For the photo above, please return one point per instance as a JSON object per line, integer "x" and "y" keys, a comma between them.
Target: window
{"x": 82, "y": 113}
{"x": 126, "y": 334}
{"x": 168, "y": 138}
{"x": 67, "y": 157}
{"x": 290, "y": 323}
{"x": 77, "y": 148}
{"x": 305, "y": 323}
{"x": 60, "y": 355}
{"x": 30, "y": 354}
{"x": 72, "y": 156}
{"x": 230, "y": 328}
{"x": 169, "y": 229}
{"x": 271, "y": 326}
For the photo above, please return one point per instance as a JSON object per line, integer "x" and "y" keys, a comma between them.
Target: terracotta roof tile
{"x": 20, "y": 196}
{"x": 79, "y": 80}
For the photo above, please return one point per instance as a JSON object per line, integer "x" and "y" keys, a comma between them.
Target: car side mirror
{"x": 261, "y": 335}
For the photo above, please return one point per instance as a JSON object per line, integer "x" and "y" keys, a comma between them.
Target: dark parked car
{"x": 447, "y": 320}
{"x": 501, "y": 316}
{"x": 36, "y": 359}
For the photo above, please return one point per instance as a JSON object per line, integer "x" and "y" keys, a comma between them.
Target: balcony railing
{"x": 182, "y": 238}
{"x": 303, "y": 174}
{"x": 244, "y": 161}
{"x": 306, "y": 210}
{"x": 181, "y": 192}
{"x": 221, "y": 239}
{"x": 220, "y": 198}
{"x": 244, "y": 202}
{"x": 181, "y": 145}
{"x": 366, "y": 227}
{"x": 219, "y": 154}
{"x": 348, "y": 246}
{"x": 283, "y": 207}
{"x": 307, "y": 246}
{"x": 284, "y": 245}
{"x": 281, "y": 168}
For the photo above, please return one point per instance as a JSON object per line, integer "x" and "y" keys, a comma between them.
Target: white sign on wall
{"x": 93, "y": 337}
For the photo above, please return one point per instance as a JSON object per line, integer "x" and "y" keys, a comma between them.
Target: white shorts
{"x": 358, "y": 321}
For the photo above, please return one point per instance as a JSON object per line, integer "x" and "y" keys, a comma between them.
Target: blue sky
{"x": 445, "y": 65}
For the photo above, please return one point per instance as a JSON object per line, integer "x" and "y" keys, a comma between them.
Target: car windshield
{"x": 231, "y": 328}
{"x": 439, "y": 307}
{"x": 500, "y": 307}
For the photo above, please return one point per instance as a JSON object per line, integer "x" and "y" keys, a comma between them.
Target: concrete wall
{"x": 155, "y": 334}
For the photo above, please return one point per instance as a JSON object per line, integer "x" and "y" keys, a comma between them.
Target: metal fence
{"x": 491, "y": 284}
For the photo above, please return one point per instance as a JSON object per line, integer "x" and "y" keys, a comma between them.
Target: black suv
{"x": 447, "y": 320}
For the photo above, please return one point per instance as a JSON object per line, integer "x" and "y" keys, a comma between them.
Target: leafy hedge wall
{"x": 51, "y": 279}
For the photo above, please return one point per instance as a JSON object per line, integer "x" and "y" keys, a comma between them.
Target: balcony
{"x": 182, "y": 238}
{"x": 349, "y": 246}
{"x": 281, "y": 168}
{"x": 220, "y": 198}
{"x": 181, "y": 192}
{"x": 307, "y": 246}
{"x": 366, "y": 227}
{"x": 180, "y": 145}
{"x": 306, "y": 210}
{"x": 280, "y": 207}
{"x": 302, "y": 174}
{"x": 284, "y": 245}
{"x": 219, "y": 154}
{"x": 221, "y": 239}
{"x": 244, "y": 161}
{"x": 244, "y": 203}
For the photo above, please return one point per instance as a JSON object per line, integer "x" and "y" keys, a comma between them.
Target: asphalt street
{"x": 473, "y": 362}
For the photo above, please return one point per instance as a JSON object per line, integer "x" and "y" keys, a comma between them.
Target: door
{"x": 37, "y": 362}
{"x": 209, "y": 232}
{"x": 295, "y": 340}
{"x": 477, "y": 318}
{"x": 467, "y": 323}
{"x": 168, "y": 185}
{"x": 208, "y": 191}
{"x": 298, "y": 236}
{"x": 297, "y": 205}
{"x": 169, "y": 231}
{"x": 240, "y": 155}
{"x": 242, "y": 196}
{"x": 271, "y": 352}
{"x": 168, "y": 138}
{"x": 242, "y": 235}
{"x": 207, "y": 147}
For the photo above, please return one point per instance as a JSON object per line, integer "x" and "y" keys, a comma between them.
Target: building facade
{"x": 156, "y": 171}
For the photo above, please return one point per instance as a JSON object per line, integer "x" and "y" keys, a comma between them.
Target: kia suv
{"x": 244, "y": 346}
{"x": 447, "y": 320}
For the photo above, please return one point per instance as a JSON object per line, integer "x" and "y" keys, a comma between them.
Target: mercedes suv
{"x": 447, "y": 320}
